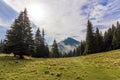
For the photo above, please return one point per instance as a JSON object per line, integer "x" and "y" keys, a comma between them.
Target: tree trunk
{"x": 14, "y": 55}
{"x": 21, "y": 56}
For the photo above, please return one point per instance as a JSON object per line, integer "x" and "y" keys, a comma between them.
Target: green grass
{"x": 101, "y": 66}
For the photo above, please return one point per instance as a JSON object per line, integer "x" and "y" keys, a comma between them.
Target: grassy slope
{"x": 101, "y": 66}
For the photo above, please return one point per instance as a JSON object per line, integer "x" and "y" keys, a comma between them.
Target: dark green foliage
{"x": 95, "y": 42}
{"x": 114, "y": 40}
{"x": 80, "y": 49}
{"x": 1, "y": 46}
{"x": 74, "y": 53}
{"x": 47, "y": 53}
{"x": 116, "y": 36}
{"x": 108, "y": 39}
{"x": 55, "y": 51}
{"x": 43, "y": 44}
{"x": 69, "y": 54}
{"x": 41, "y": 50}
{"x": 98, "y": 41}
{"x": 89, "y": 48}
{"x": 111, "y": 40}
{"x": 38, "y": 41}
{"x": 19, "y": 37}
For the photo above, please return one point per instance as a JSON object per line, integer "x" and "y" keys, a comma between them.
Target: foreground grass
{"x": 101, "y": 66}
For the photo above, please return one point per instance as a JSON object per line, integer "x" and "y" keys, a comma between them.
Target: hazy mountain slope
{"x": 68, "y": 44}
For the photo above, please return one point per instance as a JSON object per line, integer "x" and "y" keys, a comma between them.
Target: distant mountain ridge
{"x": 71, "y": 41}
{"x": 68, "y": 44}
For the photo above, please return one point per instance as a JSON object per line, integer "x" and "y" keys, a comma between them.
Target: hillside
{"x": 101, "y": 66}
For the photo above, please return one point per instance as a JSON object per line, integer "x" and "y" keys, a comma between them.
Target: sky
{"x": 68, "y": 18}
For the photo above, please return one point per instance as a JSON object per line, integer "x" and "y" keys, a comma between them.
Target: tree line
{"x": 97, "y": 42}
{"x": 20, "y": 41}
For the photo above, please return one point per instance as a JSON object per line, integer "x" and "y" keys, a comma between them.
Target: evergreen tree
{"x": 82, "y": 47}
{"x": 55, "y": 51}
{"x": 78, "y": 50}
{"x": 41, "y": 49}
{"x": 98, "y": 41}
{"x": 118, "y": 35}
{"x": 1, "y": 46}
{"x": 43, "y": 44}
{"x": 114, "y": 39}
{"x": 89, "y": 48}
{"x": 47, "y": 53}
{"x": 70, "y": 54}
{"x": 38, "y": 41}
{"x": 19, "y": 37}
{"x": 75, "y": 53}
{"x": 108, "y": 36}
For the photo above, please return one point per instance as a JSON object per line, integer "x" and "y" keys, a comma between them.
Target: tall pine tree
{"x": 89, "y": 48}
{"x": 38, "y": 40}
{"x": 55, "y": 51}
{"x": 114, "y": 39}
{"x": 1, "y": 46}
{"x": 108, "y": 36}
{"x": 19, "y": 37}
{"x": 98, "y": 41}
{"x": 118, "y": 35}
{"x": 41, "y": 49}
{"x": 82, "y": 47}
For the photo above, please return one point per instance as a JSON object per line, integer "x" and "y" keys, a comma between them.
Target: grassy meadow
{"x": 101, "y": 66}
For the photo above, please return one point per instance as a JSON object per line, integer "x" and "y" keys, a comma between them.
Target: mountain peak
{"x": 70, "y": 41}
{"x": 68, "y": 44}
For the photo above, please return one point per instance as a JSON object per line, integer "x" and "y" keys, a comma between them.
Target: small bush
{"x": 52, "y": 73}
{"x": 59, "y": 74}
{"x": 47, "y": 72}
{"x": 16, "y": 61}
{"x": 79, "y": 78}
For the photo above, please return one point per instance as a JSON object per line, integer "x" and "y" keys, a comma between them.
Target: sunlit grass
{"x": 101, "y": 66}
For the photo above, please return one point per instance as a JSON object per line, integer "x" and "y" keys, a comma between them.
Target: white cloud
{"x": 64, "y": 18}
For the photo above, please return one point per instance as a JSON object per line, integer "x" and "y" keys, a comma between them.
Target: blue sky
{"x": 68, "y": 18}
